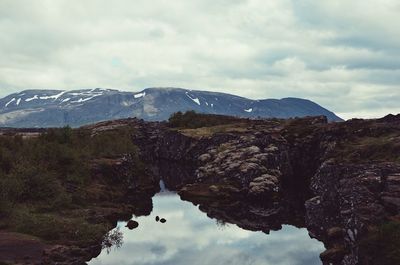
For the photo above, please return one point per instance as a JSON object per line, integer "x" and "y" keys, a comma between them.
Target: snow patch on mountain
{"x": 195, "y": 100}
{"x": 32, "y": 98}
{"x": 9, "y": 102}
{"x": 84, "y": 99}
{"x": 140, "y": 95}
{"x": 55, "y": 97}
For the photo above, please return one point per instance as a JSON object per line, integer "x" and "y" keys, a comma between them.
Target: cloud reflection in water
{"x": 190, "y": 237}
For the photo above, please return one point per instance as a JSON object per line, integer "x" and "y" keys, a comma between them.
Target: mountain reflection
{"x": 190, "y": 237}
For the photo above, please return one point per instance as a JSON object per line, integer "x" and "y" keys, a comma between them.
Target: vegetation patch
{"x": 54, "y": 227}
{"x": 382, "y": 246}
{"x": 45, "y": 178}
{"x": 192, "y": 120}
{"x": 209, "y": 131}
{"x": 383, "y": 148}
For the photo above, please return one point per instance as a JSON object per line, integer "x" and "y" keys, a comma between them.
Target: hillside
{"x": 56, "y": 108}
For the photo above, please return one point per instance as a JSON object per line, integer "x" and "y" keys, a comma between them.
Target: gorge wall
{"x": 338, "y": 180}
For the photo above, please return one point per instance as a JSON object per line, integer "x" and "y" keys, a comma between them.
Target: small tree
{"x": 175, "y": 120}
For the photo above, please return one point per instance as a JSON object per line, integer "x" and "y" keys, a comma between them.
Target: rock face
{"x": 263, "y": 185}
{"x": 353, "y": 197}
{"x": 55, "y": 108}
{"x": 338, "y": 180}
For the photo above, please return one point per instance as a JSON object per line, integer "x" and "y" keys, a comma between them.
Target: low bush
{"x": 192, "y": 120}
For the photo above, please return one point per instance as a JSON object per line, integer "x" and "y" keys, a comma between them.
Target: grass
{"x": 209, "y": 131}
{"x": 385, "y": 148}
{"x": 298, "y": 128}
{"x": 55, "y": 227}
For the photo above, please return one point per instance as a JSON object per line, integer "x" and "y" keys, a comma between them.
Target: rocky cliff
{"x": 341, "y": 180}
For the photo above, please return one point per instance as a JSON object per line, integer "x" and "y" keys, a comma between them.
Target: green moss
{"x": 382, "y": 246}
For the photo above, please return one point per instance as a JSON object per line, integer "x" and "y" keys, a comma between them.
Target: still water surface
{"x": 190, "y": 237}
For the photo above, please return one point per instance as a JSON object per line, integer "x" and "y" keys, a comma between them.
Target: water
{"x": 162, "y": 186}
{"x": 190, "y": 237}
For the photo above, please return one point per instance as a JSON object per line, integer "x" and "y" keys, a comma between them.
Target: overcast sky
{"x": 345, "y": 55}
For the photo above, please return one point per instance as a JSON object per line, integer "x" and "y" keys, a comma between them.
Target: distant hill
{"x": 54, "y": 108}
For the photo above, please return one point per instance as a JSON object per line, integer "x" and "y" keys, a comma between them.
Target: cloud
{"x": 190, "y": 237}
{"x": 343, "y": 55}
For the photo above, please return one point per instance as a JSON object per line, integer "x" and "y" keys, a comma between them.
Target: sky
{"x": 344, "y": 55}
{"x": 190, "y": 237}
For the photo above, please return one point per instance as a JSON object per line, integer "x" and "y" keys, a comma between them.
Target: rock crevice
{"x": 305, "y": 171}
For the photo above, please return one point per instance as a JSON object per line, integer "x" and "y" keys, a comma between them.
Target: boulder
{"x": 335, "y": 254}
{"x": 271, "y": 149}
{"x": 247, "y": 167}
{"x": 204, "y": 157}
{"x": 213, "y": 189}
{"x": 252, "y": 150}
{"x": 334, "y": 232}
{"x": 132, "y": 224}
{"x": 263, "y": 184}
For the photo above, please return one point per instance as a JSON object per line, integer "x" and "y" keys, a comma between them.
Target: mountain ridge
{"x": 55, "y": 108}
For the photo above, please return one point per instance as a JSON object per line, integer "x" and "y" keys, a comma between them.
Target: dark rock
{"x": 333, "y": 254}
{"x": 205, "y": 157}
{"x": 390, "y": 118}
{"x": 157, "y": 218}
{"x": 162, "y": 220}
{"x": 263, "y": 185}
{"x": 214, "y": 189}
{"x": 132, "y": 224}
{"x": 335, "y": 232}
{"x": 392, "y": 202}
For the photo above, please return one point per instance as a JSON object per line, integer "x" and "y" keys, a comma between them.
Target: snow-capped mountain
{"x": 53, "y": 108}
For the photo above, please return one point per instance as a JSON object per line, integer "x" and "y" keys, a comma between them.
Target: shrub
{"x": 59, "y": 135}
{"x": 113, "y": 238}
{"x": 192, "y": 120}
{"x": 10, "y": 191}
